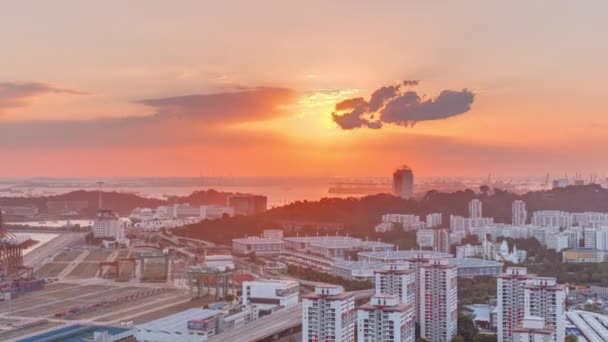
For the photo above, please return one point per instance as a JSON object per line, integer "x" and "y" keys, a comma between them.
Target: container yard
{"x": 70, "y": 281}
{"x": 20, "y": 286}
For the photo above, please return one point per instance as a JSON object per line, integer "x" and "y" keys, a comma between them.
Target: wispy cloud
{"x": 191, "y": 119}
{"x": 13, "y": 95}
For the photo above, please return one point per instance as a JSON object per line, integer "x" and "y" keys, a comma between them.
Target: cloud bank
{"x": 398, "y": 104}
{"x": 191, "y": 119}
{"x": 13, "y": 95}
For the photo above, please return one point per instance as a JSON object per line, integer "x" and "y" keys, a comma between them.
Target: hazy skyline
{"x": 155, "y": 88}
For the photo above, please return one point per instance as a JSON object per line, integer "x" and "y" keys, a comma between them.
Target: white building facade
{"x": 397, "y": 279}
{"x": 510, "y": 301}
{"x": 385, "y": 319}
{"x": 544, "y": 298}
{"x": 519, "y": 215}
{"x": 328, "y": 315}
{"x": 438, "y": 296}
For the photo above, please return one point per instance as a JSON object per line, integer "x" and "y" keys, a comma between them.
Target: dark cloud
{"x": 244, "y": 105}
{"x": 400, "y": 106}
{"x": 14, "y": 95}
{"x": 381, "y": 96}
{"x": 192, "y": 119}
{"x": 350, "y": 103}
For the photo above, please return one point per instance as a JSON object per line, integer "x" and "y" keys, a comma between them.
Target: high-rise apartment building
{"x": 434, "y": 220}
{"x": 328, "y": 314}
{"x": 399, "y": 280}
{"x": 510, "y": 301}
{"x": 441, "y": 242}
{"x": 524, "y": 297}
{"x": 438, "y": 296}
{"x": 552, "y": 218}
{"x": 544, "y": 298}
{"x": 519, "y": 213}
{"x": 403, "y": 182}
{"x": 475, "y": 209}
{"x": 385, "y": 319}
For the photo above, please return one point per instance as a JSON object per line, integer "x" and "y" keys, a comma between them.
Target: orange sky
{"x": 149, "y": 88}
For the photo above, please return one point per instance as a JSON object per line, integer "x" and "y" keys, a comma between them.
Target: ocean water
{"x": 279, "y": 191}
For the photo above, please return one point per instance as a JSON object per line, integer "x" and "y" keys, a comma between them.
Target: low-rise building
{"x": 472, "y": 267}
{"x": 257, "y": 245}
{"x": 583, "y": 255}
{"x": 247, "y": 204}
{"x": 341, "y": 248}
{"x": 192, "y": 325}
{"x": 84, "y": 333}
{"x": 267, "y": 296}
{"x": 273, "y": 234}
{"x": 533, "y": 330}
{"x": 355, "y": 270}
{"x": 214, "y": 212}
{"x": 303, "y": 243}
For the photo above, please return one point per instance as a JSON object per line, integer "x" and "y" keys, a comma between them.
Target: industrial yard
{"x": 77, "y": 283}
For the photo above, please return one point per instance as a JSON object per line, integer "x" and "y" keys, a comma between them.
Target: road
{"x": 38, "y": 255}
{"x": 263, "y": 327}
{"x": 274, "y": 323}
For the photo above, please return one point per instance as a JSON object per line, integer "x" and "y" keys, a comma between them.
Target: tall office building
{"x": 519, "y": 213}
{"x": 385, "y": 319}
{"x": 544, "y": 298}
{"x": 403, "y": 182}
{"x": 438, "y": 296}
{"x": 399, "y": 280}
{"x": 510, "y": 301}
{"x": 475, "y": 209}
{"x": 328, "y": 314}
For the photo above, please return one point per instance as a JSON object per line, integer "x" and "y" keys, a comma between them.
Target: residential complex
{"x": 519, "y": 214}
{"x": 544, "y": 298}
{"x": 385, "y": 319}
{"x": 510, "y": 301}
{"x": 328, "y": 314}
{"x": 438, "y": 306}
{"x": 523, "y": 300}
{"x": 475, "y": 209}
{"x": 397, "y": 279}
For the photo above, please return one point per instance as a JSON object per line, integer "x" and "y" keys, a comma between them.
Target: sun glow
{"x": 309, "y": 118}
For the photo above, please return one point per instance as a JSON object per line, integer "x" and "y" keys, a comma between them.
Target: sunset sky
{"x": 250, "y": 88}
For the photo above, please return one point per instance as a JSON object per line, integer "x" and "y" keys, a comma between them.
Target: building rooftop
{"x": 172, "y": 324}
{"x": 351, "y": 243}
{"x": 403, "y": 255}
{"x": 474, "y": 262}
{"x": 359, "y": 265}
{"x": 320, "y": 238}
{"x": 481, "y": 312}
{"x": 283, "y": 282}
{"x": 256, "y": 240}
{"x": 78, "y": 333}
